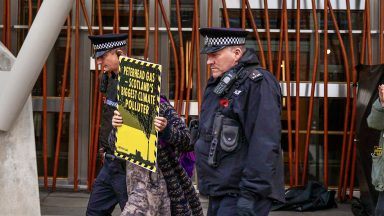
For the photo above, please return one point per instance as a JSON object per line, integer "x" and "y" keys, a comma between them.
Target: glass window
{"x": 55, "y": 61}
{"x": 306, "y": 19}
{"x": 336, "y": 111}
{"x": 307, "y": 42}
{"x": 342, "y": 21}
{"x": 138, "y": 20}
{"x": 171, "y": 73}
{"x": 186, "y": 13}
{"x": 274, "y": 18}
{"x": 108, "y": 11}
{"x": 55, "y": 70}
{"x": 52, "y": 122}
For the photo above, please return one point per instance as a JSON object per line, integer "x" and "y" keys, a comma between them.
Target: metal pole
{"x": 31, "y": 58}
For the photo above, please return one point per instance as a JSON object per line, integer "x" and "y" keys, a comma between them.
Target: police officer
{"x": 239, "y": 160}
{"x": 109, "y": 187}
{"x": 375, "y": 120}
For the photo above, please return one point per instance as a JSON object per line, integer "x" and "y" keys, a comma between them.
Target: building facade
{"x": 297, "y": 46}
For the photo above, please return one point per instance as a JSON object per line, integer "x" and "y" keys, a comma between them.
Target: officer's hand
{"x": 117, "y": 120}
{"x": 160, "y": 123}
{"x": 245, "y": 206}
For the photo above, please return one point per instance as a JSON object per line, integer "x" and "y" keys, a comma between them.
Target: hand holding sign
{"x": 139, "y": 98}
{"x": 117, "y": 120}
{"x": 160, "y": 123}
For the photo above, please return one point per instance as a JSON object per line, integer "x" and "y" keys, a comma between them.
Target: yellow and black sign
{"x": 138, "y": 98}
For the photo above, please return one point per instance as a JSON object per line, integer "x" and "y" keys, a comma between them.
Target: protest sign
{"x": 138, "y": 103}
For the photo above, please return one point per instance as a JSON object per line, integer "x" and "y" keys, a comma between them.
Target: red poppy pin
{"x": 224, "y": 102}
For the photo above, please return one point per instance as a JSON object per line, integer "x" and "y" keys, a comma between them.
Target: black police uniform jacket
{"x": 108, "y": 86}
{"x": 255, "y": 167}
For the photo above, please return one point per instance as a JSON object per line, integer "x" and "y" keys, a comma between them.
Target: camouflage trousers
{"x": 147, "y": 193}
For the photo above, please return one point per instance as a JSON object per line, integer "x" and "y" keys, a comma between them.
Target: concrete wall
{"x": 19, "y": 191}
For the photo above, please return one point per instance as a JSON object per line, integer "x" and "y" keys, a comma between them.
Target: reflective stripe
{"x": 111, "y": 103}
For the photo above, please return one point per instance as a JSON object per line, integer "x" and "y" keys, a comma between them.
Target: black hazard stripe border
{"x": 142, "y": 63}
{"x": 127, "y": 158}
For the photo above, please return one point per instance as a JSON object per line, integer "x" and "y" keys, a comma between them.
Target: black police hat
{"x": 216, "y": 39}
{"x": 103, "y": 43}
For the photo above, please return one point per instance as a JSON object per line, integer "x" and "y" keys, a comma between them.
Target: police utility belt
{"x": 226, "y": 133}
{"x": 112, "y": 157}
{"x": 108, "y": 154}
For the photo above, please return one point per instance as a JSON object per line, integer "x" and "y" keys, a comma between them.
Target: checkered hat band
{"x": 109, "y": 45}
{"x": 224, "y": 41}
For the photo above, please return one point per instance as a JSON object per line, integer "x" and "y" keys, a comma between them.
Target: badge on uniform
{"x": 255, "y": 75}
{"x": 237, "y": 92}
{"x": 378, "y": 151}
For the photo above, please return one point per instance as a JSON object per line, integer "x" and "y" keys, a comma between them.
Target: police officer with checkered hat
{"x": 238, "y": 154}
{"x": 109, "y": 187}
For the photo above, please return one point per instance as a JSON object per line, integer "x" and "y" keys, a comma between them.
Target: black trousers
{"x": 227, "y": 206}
{"x": 109, "y": 189}
{"x": 380, "y": 205}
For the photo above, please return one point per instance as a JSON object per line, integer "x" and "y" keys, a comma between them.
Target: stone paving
{"x": 75, "y": 203}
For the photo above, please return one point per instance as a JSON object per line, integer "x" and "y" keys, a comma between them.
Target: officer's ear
{"x": 238, "y": 52}
{"x": 119, "y": 52}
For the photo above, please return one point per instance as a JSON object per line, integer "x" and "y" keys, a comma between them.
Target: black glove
{"x": 245, "y": 206}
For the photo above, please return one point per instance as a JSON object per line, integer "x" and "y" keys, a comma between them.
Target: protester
{"x": 375, "y": 120}
{"x": 169, "y": 190}
{"x": 238, "y": 153}
{"x": 109, "y": 187}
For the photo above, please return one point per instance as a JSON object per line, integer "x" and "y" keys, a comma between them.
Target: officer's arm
{"x": 262, "y": 125}
{"x": 103, "y": 82}
{"x": 176, "y": 133}
{"x": 375, "y": 119}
